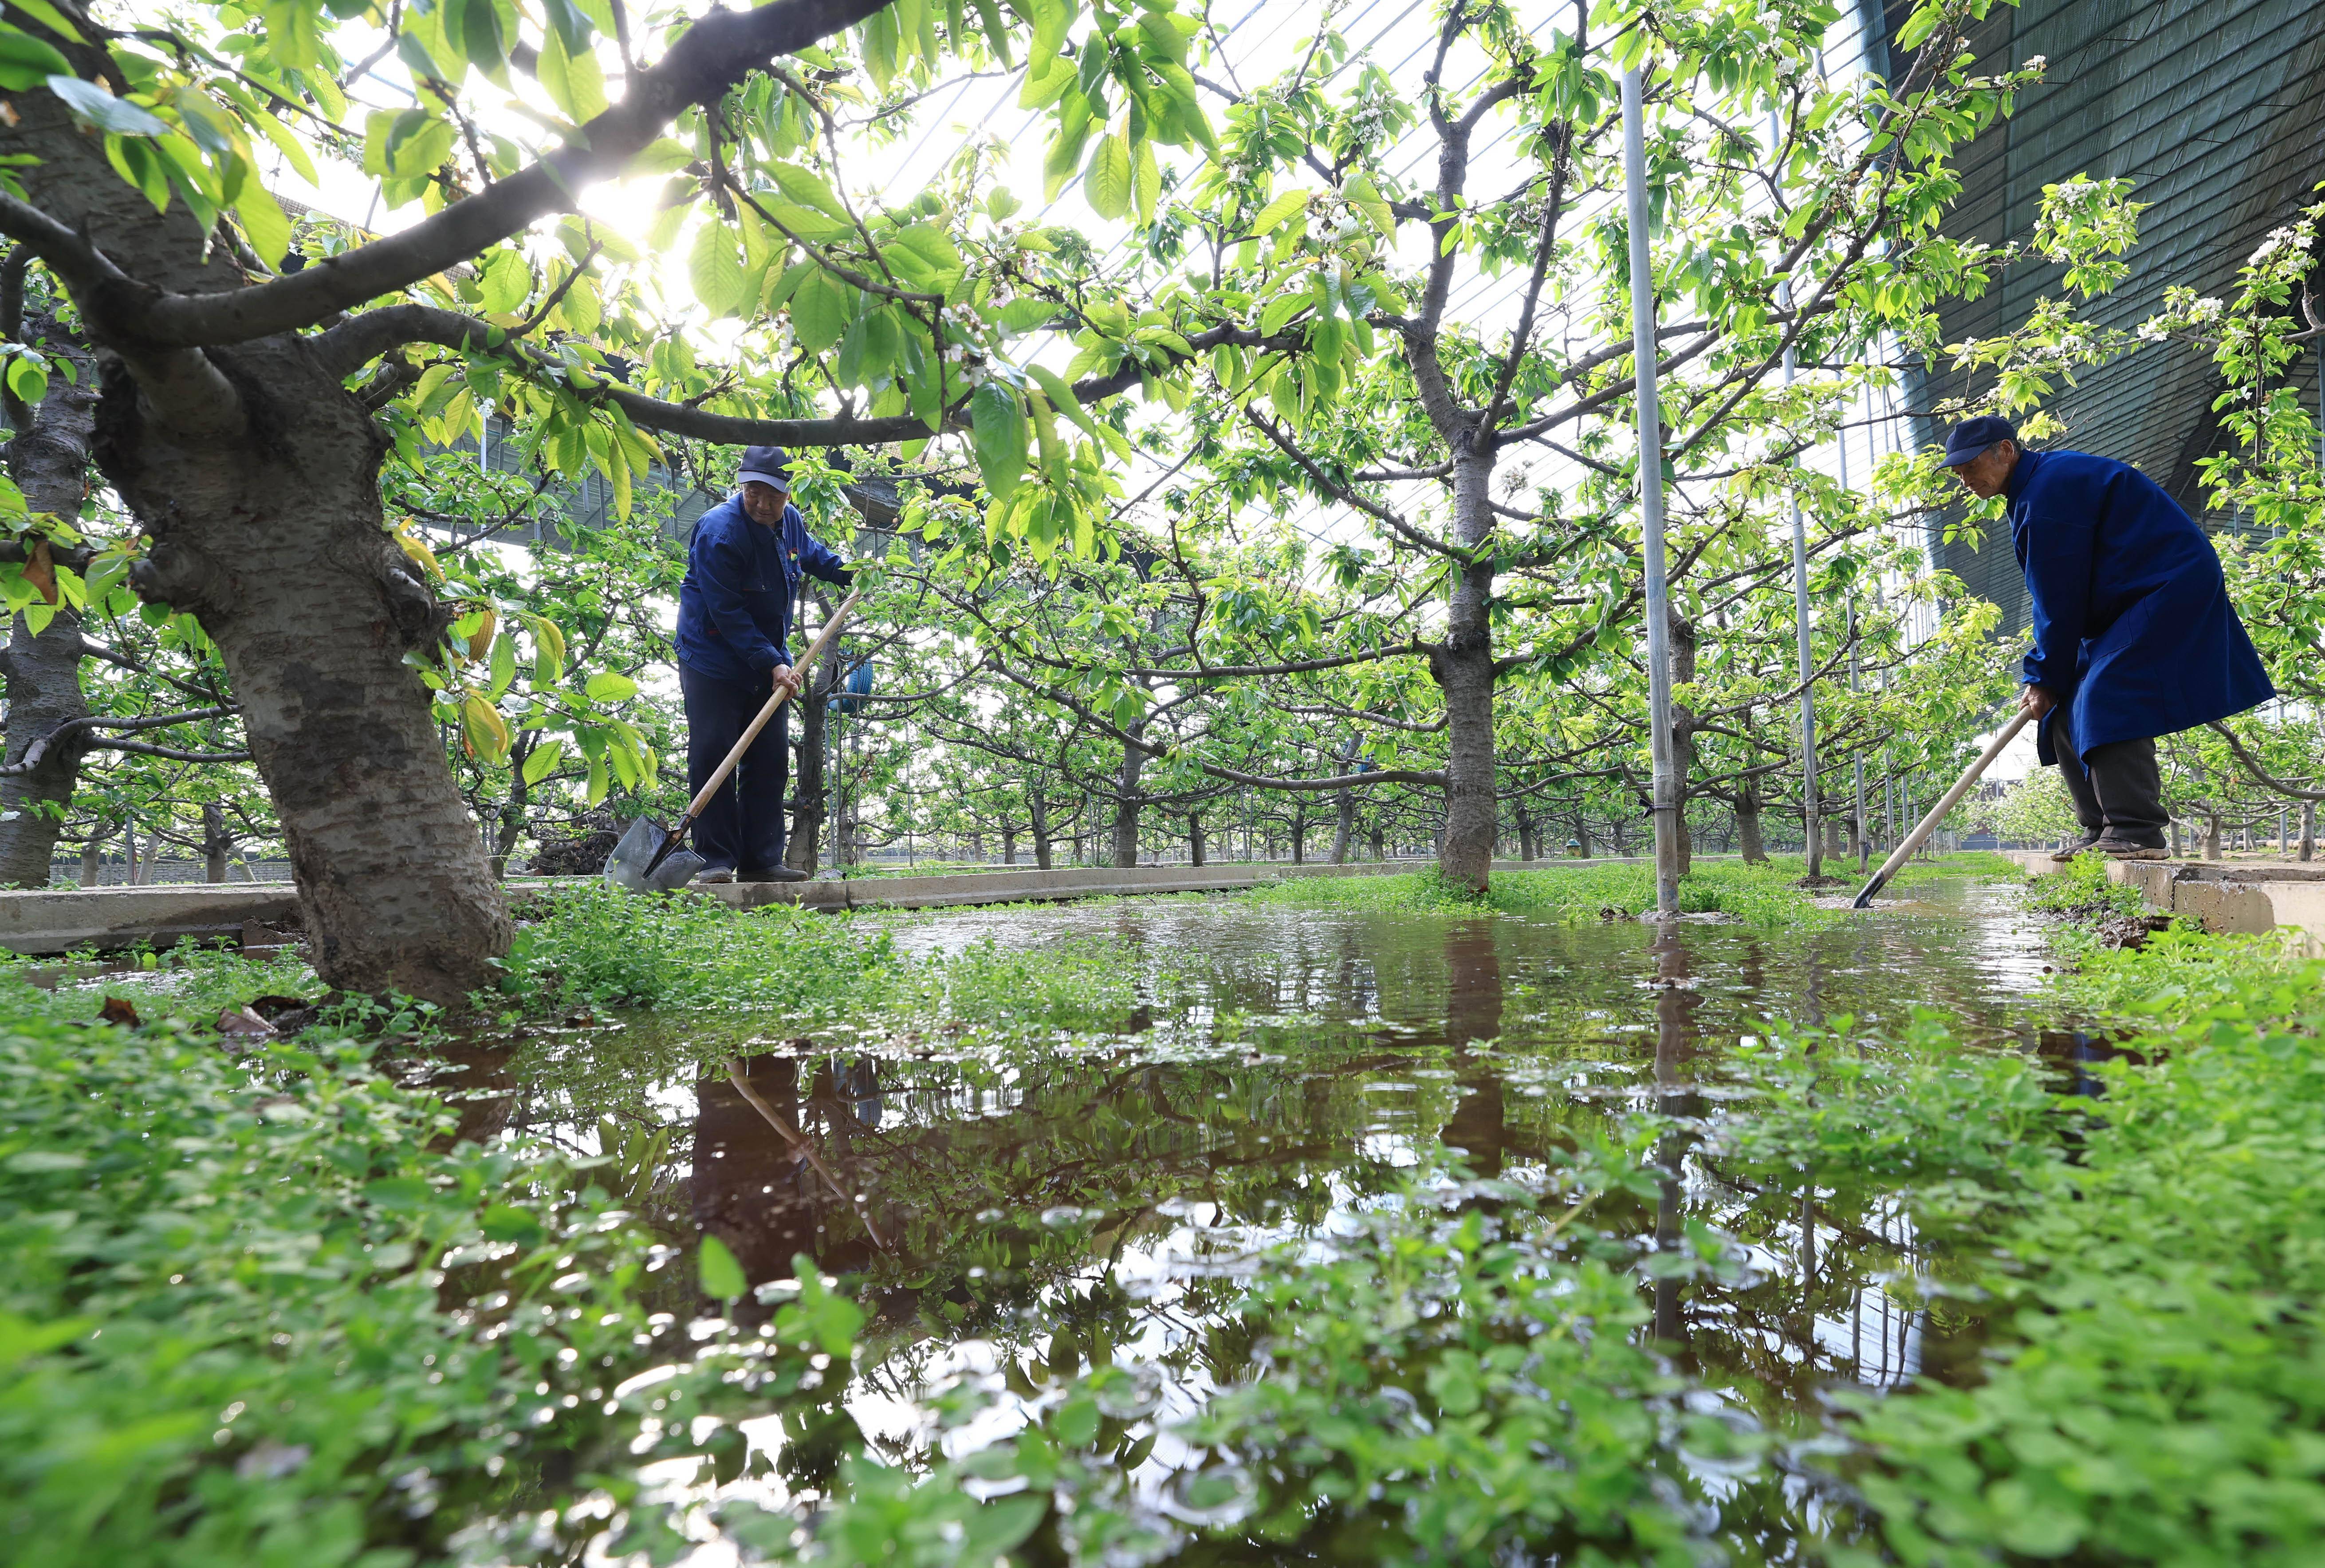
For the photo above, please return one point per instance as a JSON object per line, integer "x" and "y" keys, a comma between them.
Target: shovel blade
{"x": 637, "y": 862}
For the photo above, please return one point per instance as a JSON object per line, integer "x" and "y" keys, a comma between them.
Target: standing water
{"x": 1010, "y": 1217}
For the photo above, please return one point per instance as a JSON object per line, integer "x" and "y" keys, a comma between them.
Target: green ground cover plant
{"x": 2150, "y": 1261}
{"x": 1758, "y": 894}
{"x": 272, "y": 1309}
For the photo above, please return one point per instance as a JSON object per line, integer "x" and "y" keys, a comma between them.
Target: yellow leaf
{"x": 480, "y": 641}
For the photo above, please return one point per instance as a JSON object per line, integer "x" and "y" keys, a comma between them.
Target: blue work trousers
{"x": 743, "y": 826}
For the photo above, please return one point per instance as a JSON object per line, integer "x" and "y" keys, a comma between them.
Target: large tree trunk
{"x": 255, "y": 473}
{"x": 1464, "y": 667}
{"x": 1194, "y": 838}
{"x": 1747, "y": 825}
{"x": 1298, "y": 834}
{"x": 1344, "y": 825}
{"x": 1125, "y": 807}
{"x": 271, "y": 536}
{"x": 49, "y": 460}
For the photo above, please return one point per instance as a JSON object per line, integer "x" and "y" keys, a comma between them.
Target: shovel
{"x": 648, "y": 858}
{"x": 1970, "y": 775}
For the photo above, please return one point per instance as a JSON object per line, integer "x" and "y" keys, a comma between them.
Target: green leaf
{"x": 507, "y": 1223}
{"x": 818, "y": 311}
{"x": 606, "y": 686}
{"x": 506, "y": 281}
{"x": 93, "y": 104}
{"x": 997, "y": 433}
{"x": 716, "y": 272}
{"x": 503, "y": 663}
{"x": 26, "y": 60}
{"x": 28, "y": 378}
{"x": 1272, "y": 215}
{"x": 808, "y": 189}
{"x": 1146, "y": 182}
{"x": 542, "y": 760}
{"x": 263, "y": 222}
{"x": 1108, "y": 185}
{"x": 1077, "y": 1422}
{"x": 1000, "y": 1527}
{"x": 573, "y": 80}
{"x": 722, "y": 1275}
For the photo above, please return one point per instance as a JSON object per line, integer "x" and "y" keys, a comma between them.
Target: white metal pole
{"x": 1669, "y": 824}
{"x": 1810, "y": 815}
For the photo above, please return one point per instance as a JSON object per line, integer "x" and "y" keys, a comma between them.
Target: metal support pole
{"x": 1809, "y": 814}
{"x": 1669, "y": 824}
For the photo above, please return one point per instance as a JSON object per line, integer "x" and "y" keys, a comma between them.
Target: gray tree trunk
{"x": 1038, "y": 809}
{"x": 1126, "y": 804}
{"x": 1749, "y": 841}
{"x": 92, "y": 861}
{"x": 49, "y": 460}
{"x": 1464, "y": 668}
{"x": 2309, "y": 829}
{"x": 1344, "y": 825}
{"x": 2211, "y": 835}
{"x": 1194, "y": 838}
{"x": 803, "y": 850}
{"x": 216, "y": 845}
{"x": 255, "y": 474}
{"x": 1008, "y": 845}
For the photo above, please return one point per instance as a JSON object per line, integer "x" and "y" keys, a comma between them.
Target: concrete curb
{"x": 50, "y": 922}
{"x": 44, "y": 922}
{"x": 2229, "y": 896}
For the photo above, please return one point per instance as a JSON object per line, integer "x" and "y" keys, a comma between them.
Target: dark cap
{"x": 768, "y": 466}
{"x": 1973, "y": 436}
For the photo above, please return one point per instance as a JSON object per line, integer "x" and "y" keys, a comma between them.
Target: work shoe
{"x": 2089, "y": 841}
{"x": 2117, "y": 849}
{"x": 775, "y": 874}
{"x": 714, "y": 873}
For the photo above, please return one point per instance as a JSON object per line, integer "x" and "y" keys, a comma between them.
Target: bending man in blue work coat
{"x": 2133, "y": 634}
{"x": 744, "y": 567}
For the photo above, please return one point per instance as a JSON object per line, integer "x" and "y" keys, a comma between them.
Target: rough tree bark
{"x": 1038, "y": 809}
{"x": 216, "y": 843}
{"x": 1126, "y": 802}
{"x": 808, "y": 803}
{"x": 1194, "y": 838}
{"x": 1463, "y": 665}
{"x": 1749, "y": 841}
{"x": 254, "y": 471}
{"x": 256, "y": 476}
{"x": 49, "y": 460}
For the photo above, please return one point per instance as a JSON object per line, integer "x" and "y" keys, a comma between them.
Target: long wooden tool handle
{"x": 1946, "y": 803}
{"x": 782, "y": 695}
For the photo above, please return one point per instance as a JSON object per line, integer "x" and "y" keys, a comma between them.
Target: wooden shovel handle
{"x": 1937, "y": 813}
{"x": 782, "y": 695}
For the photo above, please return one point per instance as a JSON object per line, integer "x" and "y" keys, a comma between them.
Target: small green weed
{"x": 1760, "y": 895}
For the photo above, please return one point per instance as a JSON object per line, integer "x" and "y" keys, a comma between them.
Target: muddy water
{"x": 1006, "y": 1216}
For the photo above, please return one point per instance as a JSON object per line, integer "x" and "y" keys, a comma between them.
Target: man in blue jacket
{"x": 2133, "y": 634}
{"x": 744, "y": 567}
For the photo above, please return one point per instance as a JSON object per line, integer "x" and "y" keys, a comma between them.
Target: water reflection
{"x": 1012, "y": 1205}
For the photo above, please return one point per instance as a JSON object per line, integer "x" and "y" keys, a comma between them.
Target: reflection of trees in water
{"x": 1008, "y": 1184}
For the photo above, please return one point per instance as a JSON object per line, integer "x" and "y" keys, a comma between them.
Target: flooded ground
{"x": 1012, "y": 1216}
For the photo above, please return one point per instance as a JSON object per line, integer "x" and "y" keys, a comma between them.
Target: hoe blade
{"x": 644, "y": 861}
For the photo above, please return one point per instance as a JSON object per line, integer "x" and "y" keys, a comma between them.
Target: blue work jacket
{"x": 2134, "y": 633}
{"x": 734, "y": 606}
